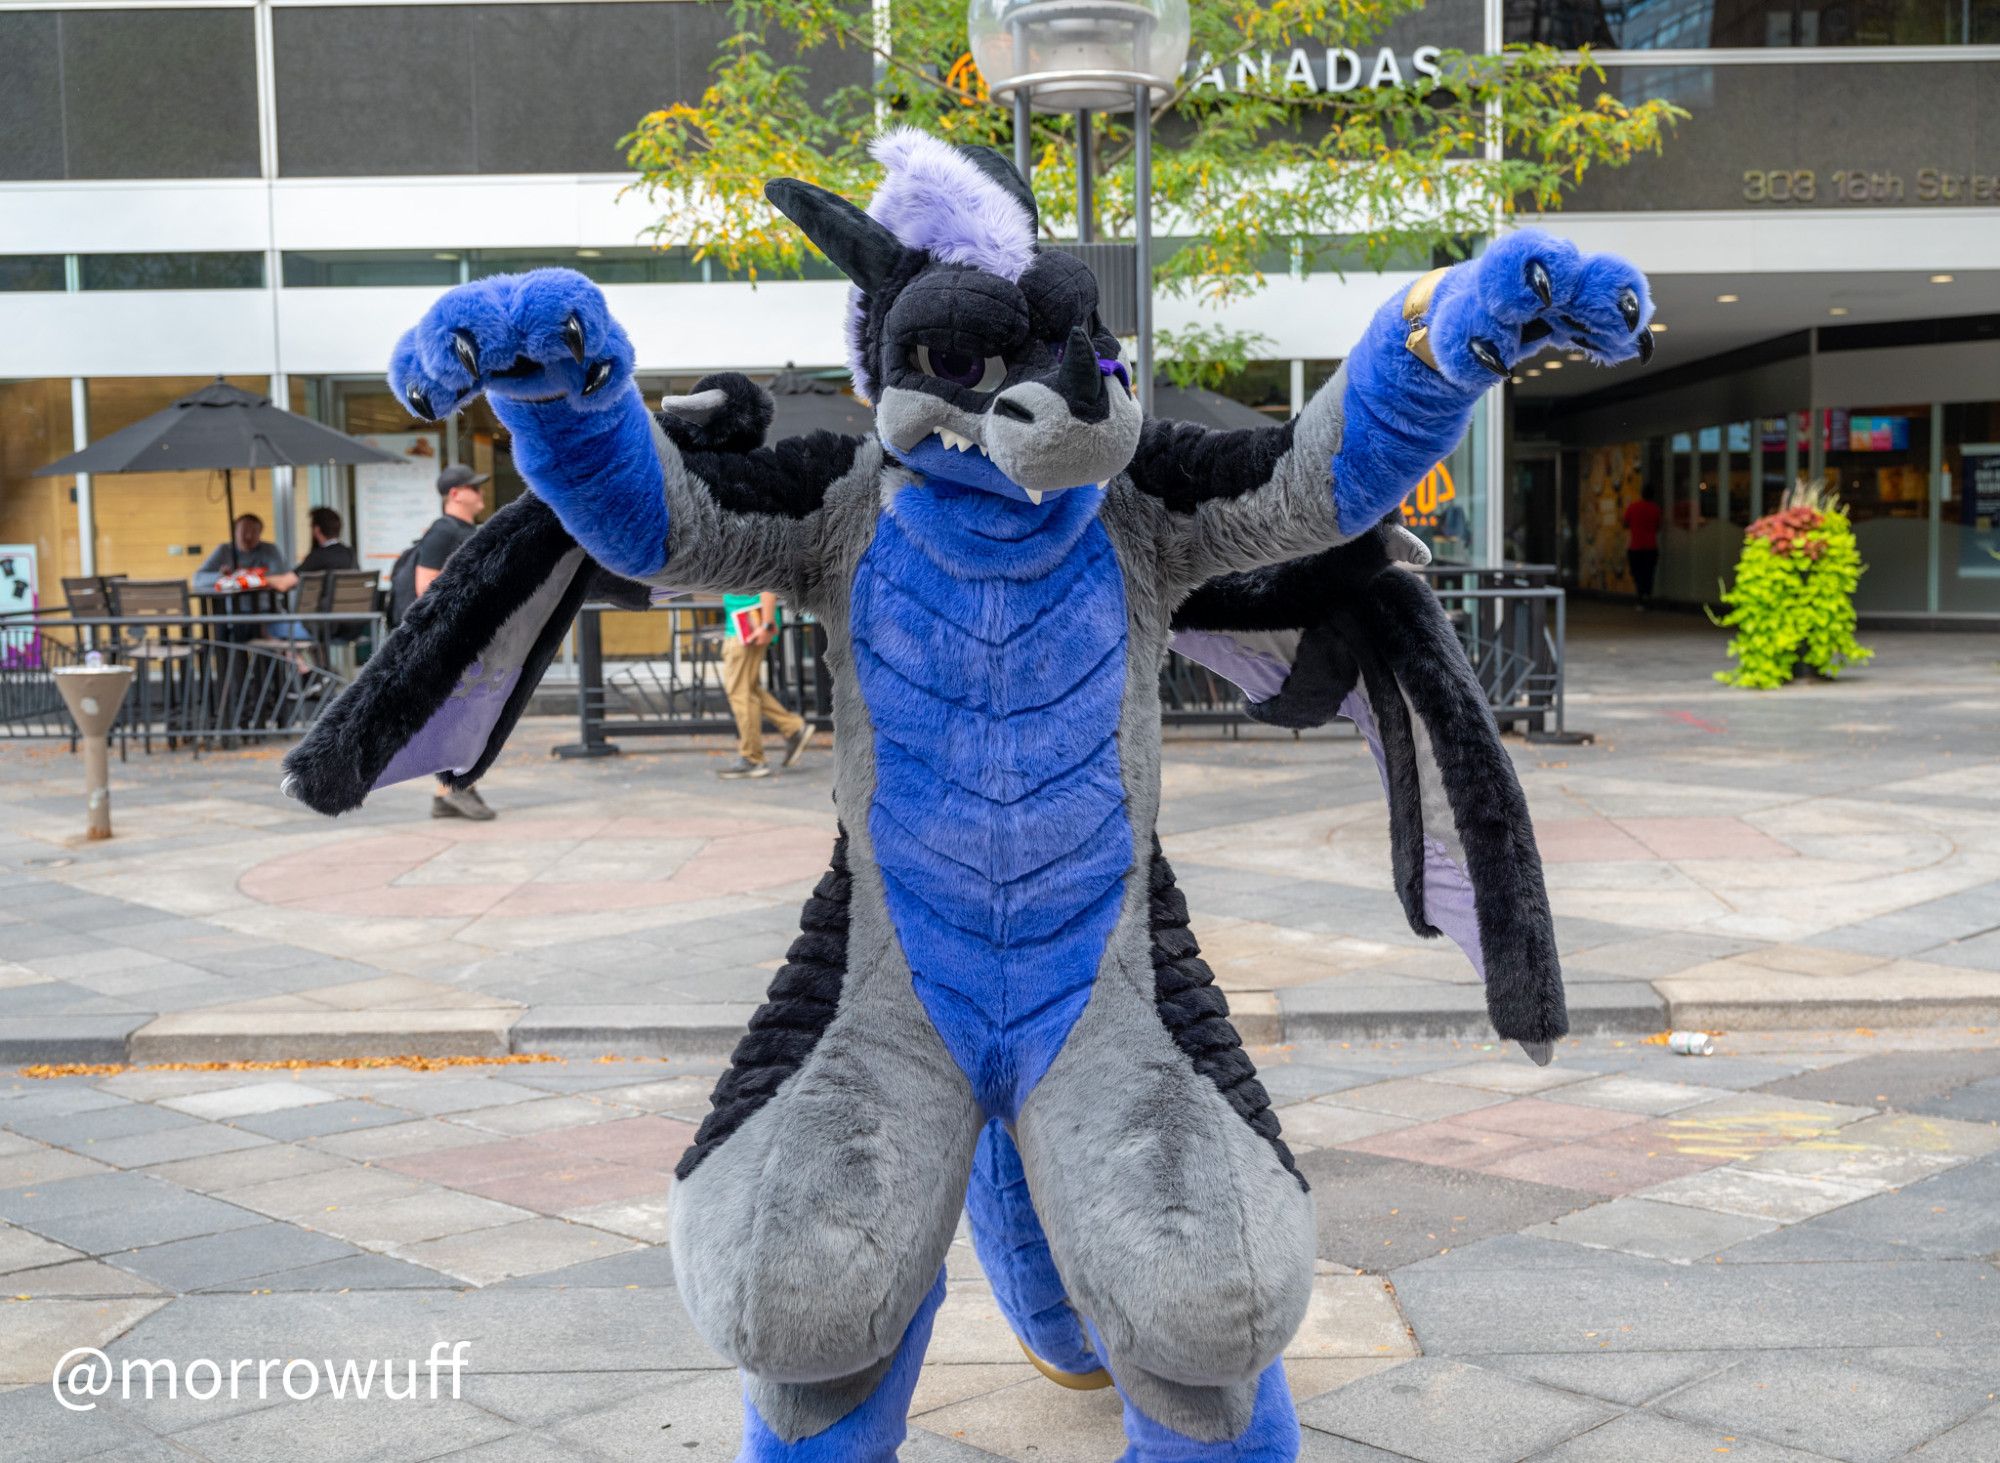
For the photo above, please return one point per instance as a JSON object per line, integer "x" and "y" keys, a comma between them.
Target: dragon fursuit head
{"x": 995, "y": 1004}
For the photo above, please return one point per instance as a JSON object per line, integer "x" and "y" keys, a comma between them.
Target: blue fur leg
{"x": 1014, "y": 1253}
{"x": 1401, "y": 415}
{"x": 873, "y": 1431}
{"x": 1272, "y": 1435}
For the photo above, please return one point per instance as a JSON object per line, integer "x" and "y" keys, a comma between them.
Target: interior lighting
{"x": 1725, "y": 299}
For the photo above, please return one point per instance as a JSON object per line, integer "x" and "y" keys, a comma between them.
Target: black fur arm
{"x": 1347, "y": 634}
{"x": 443, "y": 692}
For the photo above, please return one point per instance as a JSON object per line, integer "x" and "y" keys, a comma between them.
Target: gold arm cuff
{"x": 1418, "y": 344}
{"x": 1418, "y": 300}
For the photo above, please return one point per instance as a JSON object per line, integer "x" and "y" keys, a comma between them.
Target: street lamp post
{"x": 1085, "y": 56}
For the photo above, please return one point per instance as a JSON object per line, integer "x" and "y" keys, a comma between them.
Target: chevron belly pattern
{"x": 999, "y": 817}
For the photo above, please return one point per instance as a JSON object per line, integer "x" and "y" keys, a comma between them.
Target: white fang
{"x": 1034, "y": 496}
{"x": 954, "y": 441}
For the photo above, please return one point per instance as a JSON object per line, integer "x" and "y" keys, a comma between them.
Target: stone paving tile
{"x": 1444, "y": 1144}
{"x": 1630, "y": 1378}
{"x": 429, "y": 1214}
{"x": 1917, "y": 1133}
{"x": 674, "y": 1094}
{"x": 1324, "y": 1124}
{"x": 306, "y": 1197}
{"x": 643, "y": 1219}
{"x": 1601, "y": 1166}
{"x": 544, "y": 1115}
{"x": 1660, "y": 1231}
{"x": 148, "y": 1149}
{"x": 39, "y": 1332}
{"x": 323, "y": 1119}
{"x": 1622, "y": 1302}
{"x": 267, "y": 1163}
{"x": 78, "y": 1279}
{"x": 1060, "y": 1425}
{"x": 49, "y": 1099}
{"x": 1844, "y": 1410}
{"x": 78, "y": 1131}
{"x": 524, "y": 1248}
{"x": 211, "y": 1260}
{"x": 1546, "y": 1119}
{"x": 1979, "y": 1103}
{"x": 458, "y": 1096}
{"x": 22, "y": 1249}
{"x": 1955, "y": 1214}
{"x": 1645, "y": 1437}
{"x": 1639, "y": 1094}
{"x": 229, "y": 1103}
{"x": 46, "y": 1166}
{"x": 100, "y": 1213}
{"x": 1413, "y": 1097}
{"x": 1891, "y": 1079}
{"x": 1441, "y": 1411}
{"x": 1375, "y": 1213}
{"x": 1862, "y": 1167}
{"x": 647, "y": 1142}
{"x": 1512, "y": 1074}
{"x": 1779, "y": 1197}
{"x": 400, "y": 1140}
{"x": 354, "y": 1273}
{"x": 330, "y": 1430}
{"x": 1976, "y": 1440}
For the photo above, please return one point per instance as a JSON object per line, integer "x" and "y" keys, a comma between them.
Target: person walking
{"x": 1642, "y": 541}
{"x": 461, "y": 499}
{"x": 751, "y": 622}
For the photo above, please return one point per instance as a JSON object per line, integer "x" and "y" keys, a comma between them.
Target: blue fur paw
{"x": 542, "y": 336}
{"x": 1532, "y": 292}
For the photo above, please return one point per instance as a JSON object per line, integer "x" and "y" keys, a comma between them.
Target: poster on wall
{"x": 1611, "y": 480}
{"x": 1979, "y": 499}
{"x": 19, "y": 646}
{"x": 394, "y": 502}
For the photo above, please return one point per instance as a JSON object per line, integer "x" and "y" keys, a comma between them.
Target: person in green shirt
{"x": 743, "y": 680}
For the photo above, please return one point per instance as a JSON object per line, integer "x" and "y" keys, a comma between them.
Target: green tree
{"x": 1259, "y": 174}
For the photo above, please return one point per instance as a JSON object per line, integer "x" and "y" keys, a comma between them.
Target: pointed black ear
{"x": 995, "y": 165}
{"x": 859, "y": 247}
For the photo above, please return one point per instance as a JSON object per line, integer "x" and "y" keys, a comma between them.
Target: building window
{"x": 1703, "y": 25}
{"x": 171, "y": 271}
{"x": 21, "y": 272}
{"x": 378, "y": 268}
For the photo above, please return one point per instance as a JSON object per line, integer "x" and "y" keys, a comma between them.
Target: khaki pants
{"x": 749, "y": 702}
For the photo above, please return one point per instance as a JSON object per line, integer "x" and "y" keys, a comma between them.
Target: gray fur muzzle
{"x": 1037, "y": 443}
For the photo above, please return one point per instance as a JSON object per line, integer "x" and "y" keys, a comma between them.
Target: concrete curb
{"x": 710, "y": 1032}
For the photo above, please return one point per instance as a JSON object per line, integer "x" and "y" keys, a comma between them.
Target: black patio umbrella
{"x": 803, "y": 403}
{"x": 1204, "y": 407}
{"x": 221, "y": 427}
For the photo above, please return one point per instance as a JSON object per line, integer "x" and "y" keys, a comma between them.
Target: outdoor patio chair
{"x": 156, "y": 650}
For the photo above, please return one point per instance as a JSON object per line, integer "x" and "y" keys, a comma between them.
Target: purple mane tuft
{"x": 936, "y": 199}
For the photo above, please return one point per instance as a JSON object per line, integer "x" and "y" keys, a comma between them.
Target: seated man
{"x": 246, "y": 550}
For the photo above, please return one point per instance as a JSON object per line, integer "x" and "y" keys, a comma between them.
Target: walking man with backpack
{"x": 461, "y": 499}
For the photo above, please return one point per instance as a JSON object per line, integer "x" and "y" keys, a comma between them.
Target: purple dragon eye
{"x": 961, "y": 368}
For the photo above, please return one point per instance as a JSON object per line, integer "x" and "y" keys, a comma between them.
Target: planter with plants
{"x": 1792, "y": 605}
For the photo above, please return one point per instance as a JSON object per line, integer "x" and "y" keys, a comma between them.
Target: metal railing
{"x": 1511, "y": 622}
{"x": 198, "y": 680}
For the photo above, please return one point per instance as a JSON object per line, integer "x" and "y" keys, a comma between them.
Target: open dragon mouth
{"x": 953, "y": 457}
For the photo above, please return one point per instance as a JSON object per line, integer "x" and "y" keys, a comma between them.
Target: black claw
{"x": 1645, "y": 345}
{"x": 1538, "y": 281}
{"x": 596, "y": 376}
{"x": 1628, "y": 306}
{"x": 467, "y": 350}
{"x": 419, "y": 402}
{"x": 573, "y": 337}
{"x": 1486, "y": 355}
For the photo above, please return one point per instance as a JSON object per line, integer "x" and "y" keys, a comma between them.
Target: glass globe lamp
{"x": 1080, "y": 55}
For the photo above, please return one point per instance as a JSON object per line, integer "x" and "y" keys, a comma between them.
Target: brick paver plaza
{"x": 1786, "y": 1251}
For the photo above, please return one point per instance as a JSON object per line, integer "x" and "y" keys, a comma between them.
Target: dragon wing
{"x": 1349, "y": 633}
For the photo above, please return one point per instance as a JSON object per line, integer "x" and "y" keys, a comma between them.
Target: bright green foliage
{"x": 1263, "y": 175}
{"x": 1793, "y": 599}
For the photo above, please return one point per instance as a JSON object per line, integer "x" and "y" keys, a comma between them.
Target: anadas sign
{"x": 1317, "y": 68}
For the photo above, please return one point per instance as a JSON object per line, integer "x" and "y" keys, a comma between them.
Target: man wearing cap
{"x": 461, "y": 501}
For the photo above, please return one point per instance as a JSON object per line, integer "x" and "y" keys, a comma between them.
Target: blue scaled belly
{"x": 999, "y": 823}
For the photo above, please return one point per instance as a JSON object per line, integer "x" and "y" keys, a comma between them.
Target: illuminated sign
{"x": 1424, "y": 507}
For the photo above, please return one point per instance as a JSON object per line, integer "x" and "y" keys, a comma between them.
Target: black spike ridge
{"x": 467, "y": 350}
{"x": 596, "y": 376}
{"x": 572, "y": 334}
{"x": 1486, "y": 355}
{"x": 1645, "y": 345}
{"x": 1538, "y": 281}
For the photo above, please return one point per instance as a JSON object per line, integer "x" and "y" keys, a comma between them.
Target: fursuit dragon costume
{"x": 995, "y": 1004}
